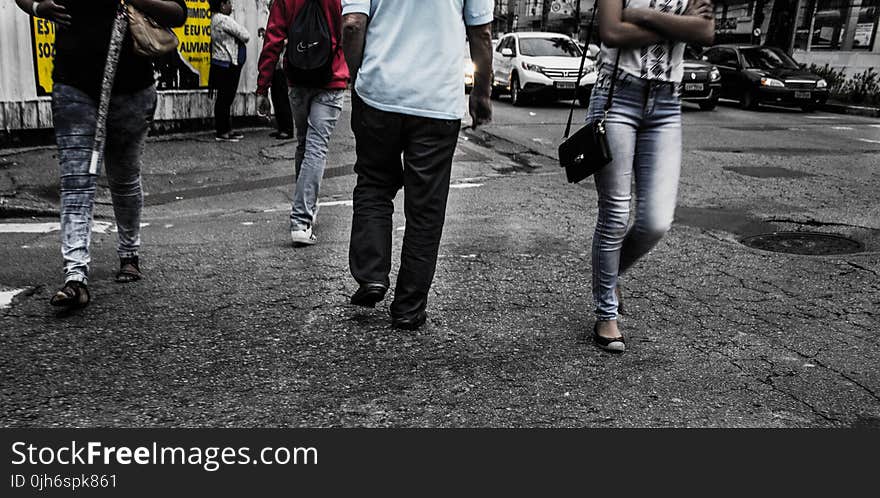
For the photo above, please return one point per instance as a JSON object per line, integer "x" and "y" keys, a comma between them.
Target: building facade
{"x": 840, "y": 33}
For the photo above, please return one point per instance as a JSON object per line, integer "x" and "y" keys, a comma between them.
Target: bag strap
{"x": 613, "y": 81}
{"x": 577, "y": 85}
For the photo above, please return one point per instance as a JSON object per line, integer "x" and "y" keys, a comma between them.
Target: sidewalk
{"x": 851, "y": 109}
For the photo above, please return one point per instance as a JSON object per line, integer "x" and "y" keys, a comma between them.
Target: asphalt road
{"x": 233, "y": 327}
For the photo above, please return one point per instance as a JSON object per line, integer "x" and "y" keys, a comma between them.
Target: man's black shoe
{"x": 369, "y": 294}
{"x": 410, "y": 323}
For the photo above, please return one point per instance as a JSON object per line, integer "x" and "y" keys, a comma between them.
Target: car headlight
{"x": 532, "y": 67}
{"x": 772, "y": 82}
{"x": 714, "y": 74}
{"x": 821, "y": 84}
{"x": 469, "y": 69}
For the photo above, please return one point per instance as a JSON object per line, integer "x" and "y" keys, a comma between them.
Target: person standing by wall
{"x": 228, "y": 39}
{"x": 316, "y": 96}
{"x": 81, "y": 46}
{"x": 643, "y": 44}
{"x": 408, "y": 99}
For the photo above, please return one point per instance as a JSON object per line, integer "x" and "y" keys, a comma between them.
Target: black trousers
{"x": 281, "y": 102}
{"x": 427, "y": 146}
{"x": 225, "y": 81}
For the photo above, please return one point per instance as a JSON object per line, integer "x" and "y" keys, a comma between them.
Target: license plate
{"x": 801, "y": 95}
{"x": 693, "y": 87}
{"x": 565, "y": 85}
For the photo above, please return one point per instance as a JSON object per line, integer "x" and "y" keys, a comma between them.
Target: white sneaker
{"x": 303, "y": 237}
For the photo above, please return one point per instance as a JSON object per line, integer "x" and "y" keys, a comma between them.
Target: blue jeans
{"x": 644, "y": 133}
{"x": 127, "y": 125}
{"x": 315, "y": 112}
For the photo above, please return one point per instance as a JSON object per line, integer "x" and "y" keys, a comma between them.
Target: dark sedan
{"x": 701, "y": 83}
{"x": 753, "y": 75}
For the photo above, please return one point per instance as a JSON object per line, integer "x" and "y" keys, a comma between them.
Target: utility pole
{"x": 577, "y": 19}
{"x": 545, "y": 14}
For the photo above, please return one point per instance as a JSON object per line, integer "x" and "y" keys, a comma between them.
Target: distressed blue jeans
{"x": 128, "y": 122}
{"x": 644, "y": 134}
{"x": 315, "y": 113}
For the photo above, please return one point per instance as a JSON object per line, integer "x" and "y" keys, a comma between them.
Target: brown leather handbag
{"x": 150, "y": 38}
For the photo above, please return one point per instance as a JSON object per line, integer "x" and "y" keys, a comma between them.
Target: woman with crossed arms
{"x": 647, "y": 38}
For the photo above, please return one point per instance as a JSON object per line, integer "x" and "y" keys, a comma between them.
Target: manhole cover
{"x": 810, "y": 243}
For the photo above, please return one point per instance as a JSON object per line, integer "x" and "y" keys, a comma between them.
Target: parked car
{"x": 701, "y": 82}
{"x": 753, "y": 75}
{"x": 531, "y": 65}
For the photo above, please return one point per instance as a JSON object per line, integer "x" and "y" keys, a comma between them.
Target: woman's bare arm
{"x": 46, "y": 9}
{"x": 165, "y": 12}
{"x": 615, "y": 32}
{"x": 697, "y": 25}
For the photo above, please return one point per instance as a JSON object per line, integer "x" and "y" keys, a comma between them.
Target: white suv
{"x": 529, "y": 65}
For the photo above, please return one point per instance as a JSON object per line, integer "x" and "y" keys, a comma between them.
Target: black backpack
{"x": 310, "y": 50}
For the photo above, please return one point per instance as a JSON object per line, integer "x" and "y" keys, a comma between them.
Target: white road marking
{"x": 336, "y": 203}
{"x": 247, "y": 223}
{"x": 169, "y": 226}
{"x": 97, "y": 227}
{"x": 7, "y": 296}
{"x": 868, "y": 140}
{"x": 822, "y": 117}
{"x": 843, "y": 128}
{"x": 466, "y": 185}
{"x": 875, "y": 126}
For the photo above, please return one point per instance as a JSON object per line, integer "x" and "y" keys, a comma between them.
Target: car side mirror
{"x": 593, "y": 51}
{"x": 704, "y": 58}
{"x": 802, "y": 65}
{"x": 506, "y": 52}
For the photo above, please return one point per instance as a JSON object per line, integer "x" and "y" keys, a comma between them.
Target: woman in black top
{"x": 81, "y": 45}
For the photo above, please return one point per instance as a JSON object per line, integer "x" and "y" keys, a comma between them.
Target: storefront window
{"x": 823, "y": 24}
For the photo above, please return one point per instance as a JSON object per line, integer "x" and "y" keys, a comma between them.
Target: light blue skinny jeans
{"x": 128, "y": 122}
{"x": 644, "y": 134}
{"x": 315, "y": 113}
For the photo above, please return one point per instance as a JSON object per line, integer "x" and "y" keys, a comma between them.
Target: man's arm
{"x": 354, "y": 36}
{"x": 480, "y": 41}
{"x": 273, "y": 44}
{"x": 45, "y": 9}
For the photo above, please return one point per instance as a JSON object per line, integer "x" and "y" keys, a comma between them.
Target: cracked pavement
{"x": 234, "y": 328}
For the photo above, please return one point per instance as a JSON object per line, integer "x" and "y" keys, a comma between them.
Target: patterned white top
{"x": 663, "y": 61}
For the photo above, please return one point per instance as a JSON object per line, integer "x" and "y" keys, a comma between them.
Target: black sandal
{"x": 74, "y": 294}
{"x": 610, "y": 344}
{"x": 129, "y": 270}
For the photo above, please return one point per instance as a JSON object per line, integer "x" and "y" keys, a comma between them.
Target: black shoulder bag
{"x": 587, "y": 151}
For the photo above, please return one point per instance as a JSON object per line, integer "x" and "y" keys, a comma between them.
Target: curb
{"x": 852, "y": 110}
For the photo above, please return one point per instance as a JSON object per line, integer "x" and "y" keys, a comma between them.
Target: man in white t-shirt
{"x": 405, "y": 60}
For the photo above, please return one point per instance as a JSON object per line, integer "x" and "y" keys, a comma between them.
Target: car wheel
{"x": 496, "y": 92}
{"x": 516, "y": 97}
{"x": 747, "y": 101}
{"x": 708, "y": 105}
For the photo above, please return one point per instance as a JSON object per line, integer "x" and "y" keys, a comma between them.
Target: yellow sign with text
{"x": 189, "y": 68}
{"x": 44, "y": 53}
{"x": 195, "y": 39}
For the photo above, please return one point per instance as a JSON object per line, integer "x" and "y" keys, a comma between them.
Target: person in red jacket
{"x": 316, "y": 108}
